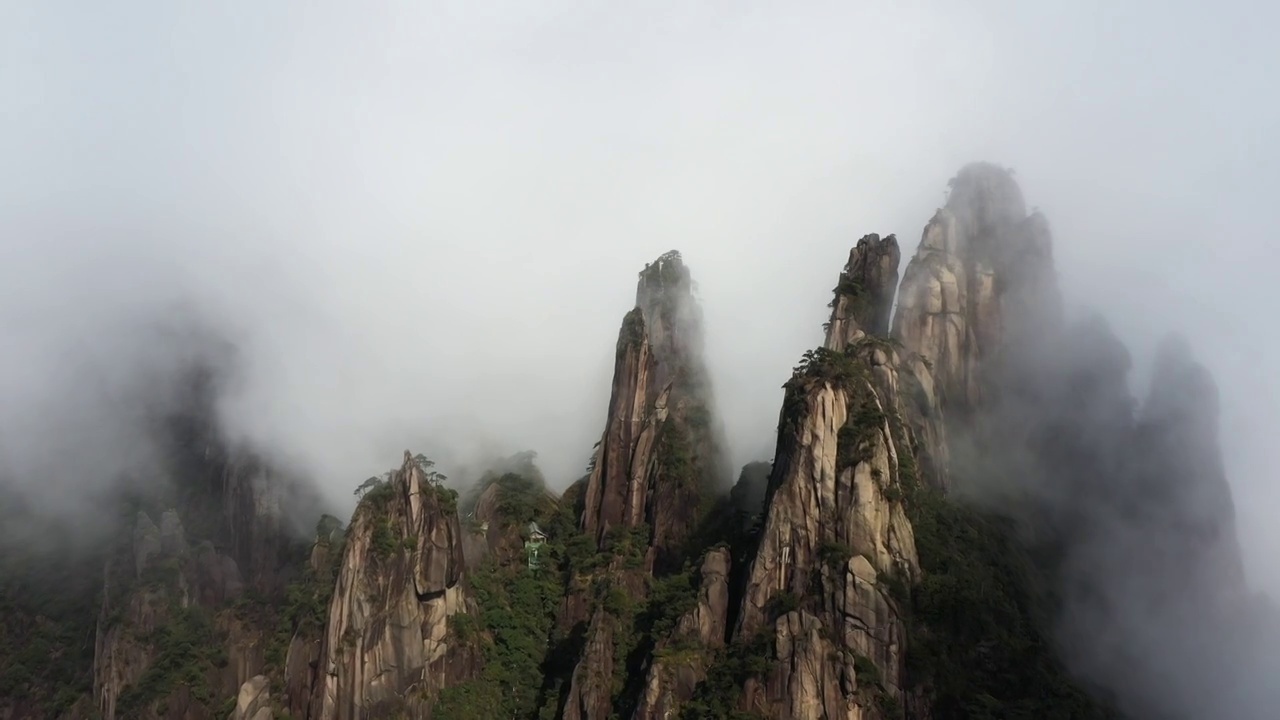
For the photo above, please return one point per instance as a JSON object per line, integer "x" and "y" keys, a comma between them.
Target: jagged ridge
{"x": 853, "y": 583}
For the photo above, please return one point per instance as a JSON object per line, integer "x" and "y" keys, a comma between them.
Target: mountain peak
{"x": 864, "y": 295}
{"x": 985, "y": 197}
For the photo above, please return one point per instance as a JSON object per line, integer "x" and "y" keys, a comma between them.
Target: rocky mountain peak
{"x": 388, "y": 646}
{"x": 863, "y": 299}
{"x": 672, "y": 320}
{"x": 986, "y": 203}
{"x": 665, "y": 279}
{"x": 835, "y": 542}
{"x": 661, "y": 444}
{"x": 982, "y": 275}
{"x": 847, "y": 577}
{"x": 655, "y": 471}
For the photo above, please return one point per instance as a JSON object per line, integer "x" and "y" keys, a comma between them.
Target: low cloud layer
{"x": 421, "y": 224}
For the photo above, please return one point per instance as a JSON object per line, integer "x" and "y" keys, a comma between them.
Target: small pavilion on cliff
{"x": 533, "y": 545}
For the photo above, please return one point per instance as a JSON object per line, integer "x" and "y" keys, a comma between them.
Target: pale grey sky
{"x": 425, "y": 218}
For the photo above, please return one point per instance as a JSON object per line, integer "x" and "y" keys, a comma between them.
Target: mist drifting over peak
{"x": 1125, "y": 507}
{"x": 418, "y": 226}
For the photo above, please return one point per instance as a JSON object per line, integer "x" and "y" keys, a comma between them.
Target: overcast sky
{"x": 424, "y": 219}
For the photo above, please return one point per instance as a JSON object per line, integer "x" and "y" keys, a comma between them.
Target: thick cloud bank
{"x": 1127, "y": 507}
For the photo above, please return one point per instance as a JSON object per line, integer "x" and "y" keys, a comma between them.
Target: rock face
{"x": 835, "y": 541}
{"x": 120, "y": 658}
{"x": 680, "y": 662}
{"x": 254, "y": 700}
{"x": 302, "y": 671}
{"x": 983, "y": 272}
{"x": 493, "y": 526}
{"x": 659, "y": 454}
{"x": 787, "y": 598}
{"x": 485, "y": 533}
{"x": 748, "y": 494}
{"x": 591, "y": 690}
{"x": 864, "y": 298}
{"x": 162, "y": 596}
{"x": 258, "y": 534}
{"x": 865, "y": 419}
{"x": 859, "y": 324}
{"x": 233, "y": 497}
{"x": 388, "y": 646}
{"x": 660, "y": 442}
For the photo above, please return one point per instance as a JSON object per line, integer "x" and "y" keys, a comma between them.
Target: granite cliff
{"x": 945, "y": 530}
{"x": 657, "y": 465}
{"x": 836, "y": 538}
{"x": 387, "y": 646}
{"x": 660, "y": 447}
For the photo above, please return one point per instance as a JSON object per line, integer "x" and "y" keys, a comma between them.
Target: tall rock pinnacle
{"x": 864, "y": 425}
{"x": 1130, "y": 515}
{"x": 658, "y": 458}
{"x": 859, "y": 325}
{"x": 864, "y": 298}
{"x": 983, "y": 273}
{"x": 660, "y": 446}
{"x": 388, "y": 645}
{"x": 836, "y": 540}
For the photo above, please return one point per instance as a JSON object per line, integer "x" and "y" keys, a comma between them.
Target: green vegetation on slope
{"x": 522, "y": 500}
{"x": 632, "y": 334}
{"x": 667, "y": 271}
{"x": 857, "y": 294}
{"x": 979, "y": 642}
{"x": 643, "y": 623}
{"x": 528, "y": 662}
{"x": 979, "y": 646}
{"x": 717, "y": 697}
{"x": 841, "y": 369}
{"x": 48, "y": 611}
{"x": 517, "y": 609}
{"x": 304, "y": 607}
{"x": 187, "y": 649}
{"x": 675, "y": 455}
